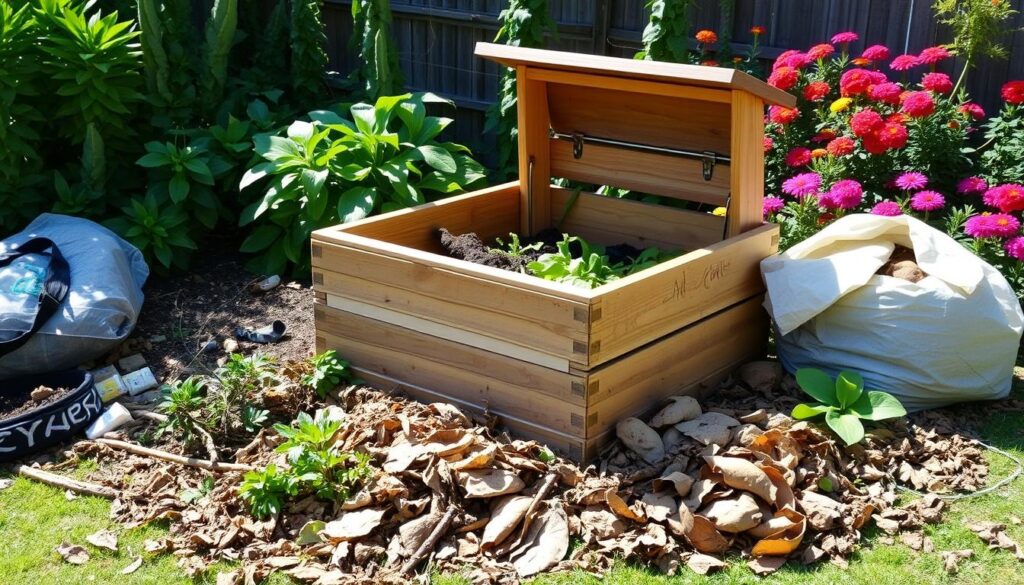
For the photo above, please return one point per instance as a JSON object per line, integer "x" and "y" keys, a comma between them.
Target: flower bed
{"x": 889, "y": 135}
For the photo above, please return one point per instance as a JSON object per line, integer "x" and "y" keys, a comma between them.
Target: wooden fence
{"x": 436, "y": 39}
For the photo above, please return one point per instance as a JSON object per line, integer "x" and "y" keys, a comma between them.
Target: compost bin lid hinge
{"x": 708, "y": 158}
{"x": 707, "y": 163}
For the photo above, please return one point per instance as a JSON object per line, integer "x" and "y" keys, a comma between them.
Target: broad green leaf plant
{"x": 342, "y": 166}
{"x": 844, "y": 402}
{"x": 589, "y": 270}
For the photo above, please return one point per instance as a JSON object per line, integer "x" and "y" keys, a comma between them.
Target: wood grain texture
{"x": 746, "y": 209}
{"x": 647, "y": 88}
{"x": 534, "y": 154}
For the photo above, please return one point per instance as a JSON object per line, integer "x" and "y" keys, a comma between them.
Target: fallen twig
{"x": 79, "y": 487}
{"x": 545, "y": 487}
{"x": 179, "y": 459}
{"x": 428, "y": 544}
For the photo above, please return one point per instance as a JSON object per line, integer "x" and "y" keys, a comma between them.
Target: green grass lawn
{"x": 34, "y": 519}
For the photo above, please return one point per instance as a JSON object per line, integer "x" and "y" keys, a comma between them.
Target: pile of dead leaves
{"x": 734, "y": 476}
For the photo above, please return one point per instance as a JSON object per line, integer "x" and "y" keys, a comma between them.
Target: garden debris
{"x": 5, "y": 483}
{"x": 995, "y": 535}
{"x": 903, "y": 264}
{"x": 131, "y": 363}
{"x": 266, "y": 285}
{"x": 134, "y": 566}
{"x": 951, "y": 559}
{"x": 470, "y": 247}
{"x": 41, "y": 393}
{"x": 103, "y": 539}
{"x": 268, "y": 334}
{"x": 73, "y": 553}
{"x": 740, "y": 476}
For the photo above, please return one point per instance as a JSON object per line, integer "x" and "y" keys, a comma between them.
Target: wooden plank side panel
{"x": 635, "y": 116}
{"x": 638, "y": 309}
{"x": 746, "y": 208}
{"x": 657, "y": 174}
{"x": 609, "y": 221}
{"x": 534, "y": 155}
{"x": 685, "y": 362}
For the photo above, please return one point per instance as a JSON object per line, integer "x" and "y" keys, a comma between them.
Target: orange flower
{"x": 707, "y": 37}
{"x": 757, "y": 30}
{"x": 710, "y": 63}
{"x": 861, "y": 62}
{"x": 737, "y": 59}
{"x": 818, "y": 153}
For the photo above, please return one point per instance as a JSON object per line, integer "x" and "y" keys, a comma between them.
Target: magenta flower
{"x": 844, "y": 38}
{"x": 1015, "y": 248}
{"x": 911, "y": 181}
{"x": 876, "y": 53}
{"x": 992, "y": 225}
{"x": 802, "y": 184}
{"x": 933, "y": 55}
{"x": 773, "y": 205}
{"x": 971, "y": 185}
{"x": 887, "y": 209}
{"x": 927, "y": 201}
{"x": 904, "y": 62}
{"x": 845, "y": 194}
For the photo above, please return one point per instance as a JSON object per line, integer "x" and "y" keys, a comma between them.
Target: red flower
{"x": 815, "y": 91}
{"x": 893, "y": 135}
{"x": 904, "y": 62}
{"x": 784, "y": 78}
{"x": 918, "y": 104}
{"x": 707, "y": 37}
{"x": 1013, "y": 92}
{"x": 844, "y": 38}
{"x": 876, "y": 53}
{"x": 824, "y": 136}
{"x": 757, "y": 30}
{"x": 781, "y": 115}
{"x": 933, "y": 55}
{"x": 841, "y": 146}
{"x": 887, "y": 92}
{"x": 768, "y": 143}
{"x": 865, "y": 122}
{"x": 709, "y": 63}
{"x": 798, "y": 157}
{"x": 873, "y": 144}
{"x": 972, "y": 109}
{"x": 781, "y": 59}
{"x": 855, "y": 82}
{"x": 821, "y": 51}
{"x": 897, "y": 118}
{"x": 1005, "y": 198}
{"x": 937, "y": 83}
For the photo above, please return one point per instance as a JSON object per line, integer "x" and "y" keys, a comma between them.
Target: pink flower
{"x": 1005, "y": 198}
{"x": 798, "y": 157}
{"x": 933, "y": 55}
{"x": 992, "y": 225}
{"x": 972, "y": 109}
{"x": 845, "y": 194}
{"x": 927, "y": 201}
{"x": 937, "y": 82}
{"x": 918, "y": 104}
{"x": 887, "y": 92}
{"x": 821, "y": 51}
{"x": 865, "y": 122}
{"x": 780, "y": 61}
{"x": 911, "y": 181}
{"x": 844, "y": 38}
{"x": 971, "y": 185}
{"x": 876, "y": 53}
{"x": 802, "y": 184}
{"x": 1015, "y": 248}
{"x": 773, "y": 205}
{"x": 798, "y": 60}
{"x": 904, "y": 62}
{"x": 887, "y": 209}
{"x": 768, "y": 143}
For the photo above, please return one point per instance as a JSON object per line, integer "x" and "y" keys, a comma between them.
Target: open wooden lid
{"x": 710, "y": 77}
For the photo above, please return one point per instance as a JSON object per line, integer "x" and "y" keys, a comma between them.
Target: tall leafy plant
{"x": 308, "y": 53}
{"x": 379, "y": 73}
{"x": 666, "y": 36}
{"x": 343, "y": 166}
{"x": 979, "y": 28}
{"x": 524, "y": 23}
{"x": 220, "y": 36}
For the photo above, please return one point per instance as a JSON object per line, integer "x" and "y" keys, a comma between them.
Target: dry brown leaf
{"x": 744, "y": 475}
{"x": 780, "y": 446}
{"x": 951, "y": 559}
{"x": 822, "y": 511}
{"x": 476, "y": 458}
{"x": 619, "y": 506}
{"x": 360, "y": 499}
{"x": 103, "y": 539}
{"x": 448, "y": 442}
{"x": 703, "y": 564}
{"x": 490, "y": 483}
{"x": 773, "y": 525}
{"x": 705, "y": 537}
{"x": 762, "y": 566}
{"x": 735, "y": 514}
{"x": 72, "y": 553}
{"x": 784, "y": 497}
{"x": 680, "y": 409}
{"x": 351, "y": 525}
{"x": 659, "y": 506}
{"x": 506, "y": 515}
{"x": 641, "y": 439}
{"x": 700, "y": 491}
{"x": 545, "y": 544}
{"x": 415, "y": 531}
{"x": 282, "y": 562}
{"x": 679, "y": 481}
{"x": 682, "y": 523}
{"x": 709, "y": 428}
{"x": 157, "y": 546}
{"x": 132, "y": 567}
{"x": 229, "y": 577}
{"x": 402, "y": 456}
{"x": 783, "y": 543}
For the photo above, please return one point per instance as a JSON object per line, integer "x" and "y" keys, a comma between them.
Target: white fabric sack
{"x": 950, "y": 337}
{"x": 101, "y": 306}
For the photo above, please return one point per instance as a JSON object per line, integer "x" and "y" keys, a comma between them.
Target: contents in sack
{"x": 139, "y": 381}
{"x": 13, "y": 403}
{"x": 109, "y": 383}
{"x": 112, "y": 418}
{"x": 903, "y": 264}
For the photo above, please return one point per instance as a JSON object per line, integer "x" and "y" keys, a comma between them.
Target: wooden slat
{"x": 534, "y": 156}
{"x": 747, "y": 169}
{"x": 488, "y": 212}
{"x": 713, "y": 77}
{"x": 440, "y": 330}
{"x": 681, "y": 363}
{"x": 649, "y": 88}
{"x": 484, "y": 315}
{"x": 609, "y": 221}
{"x": 646, "y": 306}
{"x": 657, "y": 174}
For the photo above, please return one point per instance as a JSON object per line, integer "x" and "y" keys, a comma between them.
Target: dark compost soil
{"x": 13, "y": 403}
{"x": 471, "y": 248}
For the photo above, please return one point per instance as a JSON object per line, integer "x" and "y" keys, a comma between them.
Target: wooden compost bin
{"x": 558, "y": 363}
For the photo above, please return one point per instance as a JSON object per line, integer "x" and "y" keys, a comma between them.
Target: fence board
{"x": 436, "y": 37}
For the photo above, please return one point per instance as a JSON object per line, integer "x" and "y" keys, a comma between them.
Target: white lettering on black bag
{"x": 70, "y": 290}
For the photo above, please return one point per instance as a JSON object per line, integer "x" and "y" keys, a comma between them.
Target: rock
{"x": 641, "y": 439}
{"x": 42, "y": 393}
{"x": 230, "y": 345}
{"x": 763, "y": 376}
{"x": 681, "y": 408}
{"x": 131, "y": 363}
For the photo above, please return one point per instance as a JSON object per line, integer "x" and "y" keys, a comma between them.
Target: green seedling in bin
{"x": 844, "y": 402}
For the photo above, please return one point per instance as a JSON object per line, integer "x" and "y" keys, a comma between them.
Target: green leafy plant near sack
{"x": 591, "y": 268}
{"x": 844, "y": 402}
{"x": 342, "y": 166}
